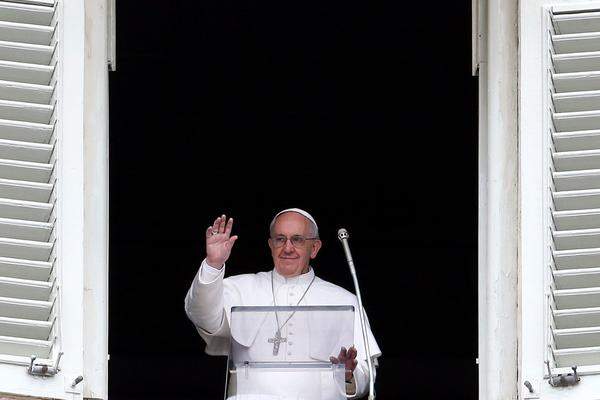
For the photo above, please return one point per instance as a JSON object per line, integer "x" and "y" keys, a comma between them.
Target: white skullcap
{"x": 299, "y": 211}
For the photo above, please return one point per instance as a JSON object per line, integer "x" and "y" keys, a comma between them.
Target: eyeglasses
{"x": 297, "y": 240}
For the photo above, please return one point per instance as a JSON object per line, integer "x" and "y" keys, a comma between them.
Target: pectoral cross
{"x": 277, "y": 340}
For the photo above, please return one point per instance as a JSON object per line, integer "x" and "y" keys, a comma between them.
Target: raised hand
{"x": 348, "y": 358}
{"x": 219, "y": 242}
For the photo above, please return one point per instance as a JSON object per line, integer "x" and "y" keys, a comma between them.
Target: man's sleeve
{"x": 360, "y": 384}
{"x": 204, "y": 303}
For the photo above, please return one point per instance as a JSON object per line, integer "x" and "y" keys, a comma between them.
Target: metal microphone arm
{"x": 343, "y": 236}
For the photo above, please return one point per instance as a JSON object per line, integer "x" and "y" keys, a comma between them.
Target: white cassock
{"x": 210, "y": 298}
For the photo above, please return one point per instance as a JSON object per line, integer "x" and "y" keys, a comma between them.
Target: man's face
{"x": 290, "y": 260}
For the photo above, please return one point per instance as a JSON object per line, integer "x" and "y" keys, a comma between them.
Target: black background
{"x": 363, "y": 113}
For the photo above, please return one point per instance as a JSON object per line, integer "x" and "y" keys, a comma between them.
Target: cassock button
{"x": 289, "y": 353}
{"x": 291, "y": 343}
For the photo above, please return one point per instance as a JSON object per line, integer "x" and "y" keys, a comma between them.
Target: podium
{"x": 283, "y": 353}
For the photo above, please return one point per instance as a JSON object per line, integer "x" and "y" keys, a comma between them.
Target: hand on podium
{"x": 348, "y": 358}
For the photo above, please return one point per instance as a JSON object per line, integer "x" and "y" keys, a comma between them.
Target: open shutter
{"x": 28, "y": 62}
{"x": 574, "y": 188}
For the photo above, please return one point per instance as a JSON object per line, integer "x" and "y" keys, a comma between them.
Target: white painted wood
{"x": 578, "y": 258}
{"x": 576, "y": 121}
{"x": 498, "y": 344}
{"x": 577, "y": 22}
{"x": 576, "y": 81}
{"x": 26, "y": 72}
{"x": 576, "y": 160}
{"x": 576, "y": 42}
{"x": 576, "y": 219}
{"x": 25, "y": 170}
{"x": 48, "y": 3}
{"x": 25, "y": 347}
{"x": 577, "y": 140}
{"x": 25, "y": 269}
{"x": 26, "y": 33}
{"x": 577, "y": 180}
{"x": 29, "y": 191}
{"x": 26, "y": 92}
{"x": 576, "y": 318}
{"x": 25, "y": 13}
{"x": 577, "y": 239}
{"x": 25, "y": 229}
{"x": 25, "y": 131}
{"x": 576, "y": 199}
{"x": 26, "y": 53}
{"x": 577, "y": 298}
{"x": 96, "y": 195}
{"x": 577, "y": 62}
{"x": 25, "y": 151}
{"x": 29, "y": 112}
{"x": 25, "y": 328}
{"x": 577, "y": 337}
{"x": 20, "y": 209}
{"x": 579, "y": 356}
{"x": 25, "y": 309}
{"x": 576, "y": 101}
{"x": 24, "y": 289}
{"x": 26, "y": 249}
{"x": 577, "y": 278}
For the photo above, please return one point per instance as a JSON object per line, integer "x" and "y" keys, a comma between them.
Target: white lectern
{"x": 283, "y": 353}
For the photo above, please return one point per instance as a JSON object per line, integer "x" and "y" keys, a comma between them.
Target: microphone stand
{"x": 343, "y": 237}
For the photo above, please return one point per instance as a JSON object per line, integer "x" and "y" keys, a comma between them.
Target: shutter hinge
{"x": 43, "y": 369}
{"x": 562, "y": 380}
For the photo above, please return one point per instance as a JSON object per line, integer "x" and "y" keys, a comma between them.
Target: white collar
{"x": 303, "y": 279}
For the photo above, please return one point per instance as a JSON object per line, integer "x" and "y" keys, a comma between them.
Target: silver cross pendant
{"x": 277, "y": 340}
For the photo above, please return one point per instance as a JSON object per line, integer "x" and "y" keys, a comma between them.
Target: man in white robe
{"x": 294, "y": 242}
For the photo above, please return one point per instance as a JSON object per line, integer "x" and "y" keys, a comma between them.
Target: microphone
{"x": 343, "y": 236}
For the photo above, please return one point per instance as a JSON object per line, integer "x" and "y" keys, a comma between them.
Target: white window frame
{"x": 534, "y": 202}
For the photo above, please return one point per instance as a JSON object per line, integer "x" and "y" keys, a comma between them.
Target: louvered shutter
{"x": 28, "y": 78}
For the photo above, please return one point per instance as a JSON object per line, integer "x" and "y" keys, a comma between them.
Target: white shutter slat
{"x": 34, "y": 192}
{"x": 27, "y": 14}
{"x": 574, "y": 42}
{"x": 26, "y": 53}
{"x": 25, "y": 309}
{"x": 576, "y": 199}
{"x": 577, "y": 278}
{"x": 25, "y": 131}
{"x": 577, "y": 337}
{"x": 577, "y": 318}
{"x": 25, "y": 269}
{"x": 19, "y": 209}
{"x": 25, "y": 151}
{"x": 26, "y": 72}
{"x": 577, "y": 298}
{"x": 25, "y": 328}
{"x": 579, "y": 356}
{"x": 577, "y": 180}
{"x": 26, "y": 33}
{"x": 576, "y": 101}
{"x": 576, "y": 219}
{"x": 26, "y": 92}
{"x": 24, "y": 289}
{"x": 25, "y": 170}
{"x": 25, "y": 229}
{"x": 577, "y": 239}
{"x": 30, "y": 112}
{"x": 576, "y": 81}
{"x": 575, "y": 141}
{"x": 576, "y": 121}
{"x": 576, "y": 62}
{"x": 579, "y": 258}
{"x": 25, "y": 347}
{"x": 576, "y": 22}
{"x": 576, "y": 160}
{"x": 26, "y": 249}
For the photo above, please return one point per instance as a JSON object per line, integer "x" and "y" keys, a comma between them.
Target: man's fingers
{"x": 343, "y": 355}
{"x": 352, "y": 352}
{"x": 229, "y": 226}
{"x": 222, "y": 223}
{"x": 231, "y": 241}
{"x": 334, "y": 360}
